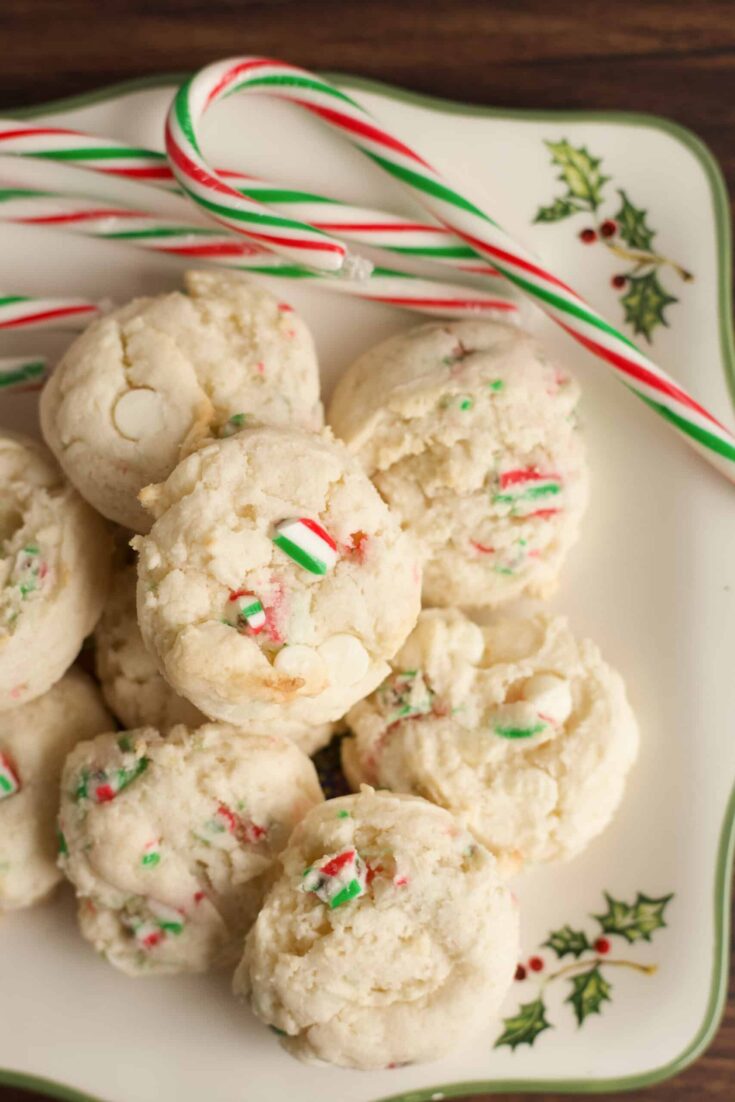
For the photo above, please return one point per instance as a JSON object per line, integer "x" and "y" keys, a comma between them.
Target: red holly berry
{"x": 608, "y": 227}
{"x": 520, "y": 972}
{"x": 602, "y": 945}
{"x": 536, "y": 964}
{"x": 588, "y": 236}
{"x": 619, "y": 281}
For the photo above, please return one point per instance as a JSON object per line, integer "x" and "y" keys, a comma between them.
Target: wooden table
{"x": 674, "y": 58}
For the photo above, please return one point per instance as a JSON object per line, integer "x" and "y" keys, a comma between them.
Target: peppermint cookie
{"x": 469, "y": 432}
{"x": 54, "y": 571}
{"x": 275, "y": 583}
{"x": 157, "y": 375}
{"x": 34, "y": 741}
{"x": 131, "y": 684}
{"x": 170, "y": 842}
{"x": 523, "y": 732}
{"x": 389, "y": 938}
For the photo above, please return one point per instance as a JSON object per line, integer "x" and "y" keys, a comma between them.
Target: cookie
{"x": 170, "y": 842}
{"x": 275, "y": 583}
{"x": 519, "y": 729}
{"x": 149, "y": 380}
{"x": 131, "y": 684}
{"x": 470, "y": 434}
{"x": 389, "y": 937}
{"x": 34, "y": 741}
{"x": 55, "y": 557}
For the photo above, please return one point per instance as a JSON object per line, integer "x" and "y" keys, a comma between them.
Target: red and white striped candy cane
{"x": 24, "y": 312}
{"x": 92, "y": 218}
{"x": 442, "y": 199}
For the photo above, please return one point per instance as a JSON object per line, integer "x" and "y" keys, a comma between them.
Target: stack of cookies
{"x": 258, "y": 585}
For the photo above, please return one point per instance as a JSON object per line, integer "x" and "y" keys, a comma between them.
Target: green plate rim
{"x": 726, "y": 846}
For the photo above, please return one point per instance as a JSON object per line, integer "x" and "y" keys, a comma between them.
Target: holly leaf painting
{"x": 580, "y": 171}
{"x": 568, "y": 942}
{"x": 559, "y": 209}
{"x": 589, "y": 991}
{"x": 644, "y": 302}
{"x": 632, "y": 226}
{"x": 524, "y": 1027}
{"x": 634, "y": 921}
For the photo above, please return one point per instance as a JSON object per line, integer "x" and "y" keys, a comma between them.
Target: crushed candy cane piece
{"x": 519, "y": 720}
{"x": 245, "y": 831}
{"x": 9, "y": 779}
{"x": 341, "y": 878}
{"x": 150, "y": 932}
{"x": 167, "y": 918}
{"x": 307, "y": 543}
{"x": 151, "y": 854}
{"x": 101, "y": 786}
{"x": 247, "y": 609}
{"x": 406, "y": 694}
{"x": 233, "y": 425}
{"x": 29, "y": 570}
{"x": 524, "y": 487}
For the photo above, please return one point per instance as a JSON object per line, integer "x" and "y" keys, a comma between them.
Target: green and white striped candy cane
{"x": 443, "y": 199}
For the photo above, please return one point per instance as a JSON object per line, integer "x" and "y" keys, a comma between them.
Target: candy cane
{"x": 246, "y": 609}
{"x": 92, "y": 218}
{"x": 54, "y": 143}
{"x": 338, "y": 880}
{"x": 407, "y": 237}
{"x": 9, "y": 780}
{"x": 307, "y": 543}
{"x": 23, "y": 312}
{"x": 21, "y": 372}
{"x": 367, "y": 226}
{"x": 436, "y": 194}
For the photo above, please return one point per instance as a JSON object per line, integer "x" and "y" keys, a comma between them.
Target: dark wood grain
{"x": 670, "y": 57}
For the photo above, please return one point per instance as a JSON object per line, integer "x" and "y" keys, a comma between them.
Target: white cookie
{"x": 170, "y": 841}
{"x": 55, "y": 557}
{"x": 388, "y": 938}
{"x": 34, "y": 741}
{"x": 469, "y": 433}
{"x": 131, "y": 684}
{"x": 523, "y": 732}
{"x": 148, "y": 381}
{"x": 335, "y": 606}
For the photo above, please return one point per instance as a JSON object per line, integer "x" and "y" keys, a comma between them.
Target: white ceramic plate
{"x": 652, "y": 580}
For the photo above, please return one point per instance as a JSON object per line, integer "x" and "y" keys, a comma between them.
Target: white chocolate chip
{"x": 550, "y": 695}
{"x": 138, "y": 413}
{"x": 347, "y": 659}
{"x": 303, "y": 662}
